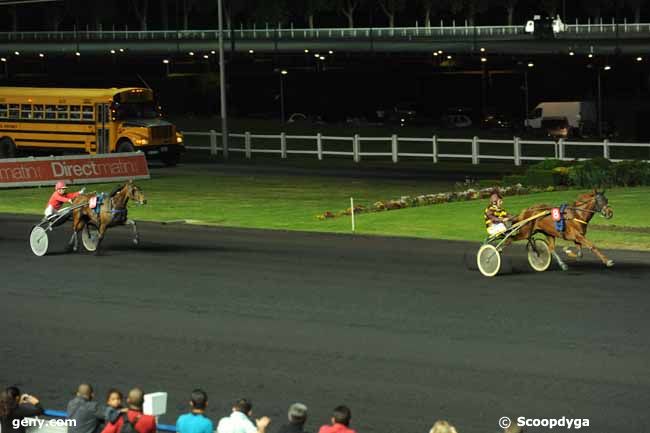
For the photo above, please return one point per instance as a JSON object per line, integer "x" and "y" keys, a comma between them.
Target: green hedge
{"x": 538, "y": 177}
{"x": 514, "y": 179}
{"x": 591, "y": 173}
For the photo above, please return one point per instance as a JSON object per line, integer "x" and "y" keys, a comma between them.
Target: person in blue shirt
{"x": 195, "y": 421}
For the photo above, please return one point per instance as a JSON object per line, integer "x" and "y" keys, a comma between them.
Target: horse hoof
{"x": 570, "y": 253}
{"x": 609, "y": 263}
{"x": 136, "y": 241}
{"x": 564, "y": 267}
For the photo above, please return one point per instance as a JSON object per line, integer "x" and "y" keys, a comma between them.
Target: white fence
{"x": 278, "y": 32}
{"x": 397, "y": 147}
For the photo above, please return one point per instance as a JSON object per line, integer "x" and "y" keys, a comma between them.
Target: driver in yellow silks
{"x": 496, "y": 217}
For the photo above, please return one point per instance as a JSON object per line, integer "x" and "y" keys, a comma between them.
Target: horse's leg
{"x": 581, "y": 239}
{"x": 558, "y": 259}
{"x": 577, "y": 254}
{"x": 136, "y": 235}
{"x": 77, "y": 225}
{"x": 72, "y": 243}
{"x": 578, "y": 251}
{"x": 100, "y": 236}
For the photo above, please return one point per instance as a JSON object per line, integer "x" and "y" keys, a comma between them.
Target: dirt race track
{"x": 398, "y": 329}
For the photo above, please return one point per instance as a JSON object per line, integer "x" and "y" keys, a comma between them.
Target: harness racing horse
{"x": 112, "y": 212}
{"x": 576, "y": 219}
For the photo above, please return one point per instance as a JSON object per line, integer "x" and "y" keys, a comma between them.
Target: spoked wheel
{"x": 488, "y": 260}
{"x": 39, "y": 241}
{"x": 89, "y": 237}
{"x": 539, "y": 255}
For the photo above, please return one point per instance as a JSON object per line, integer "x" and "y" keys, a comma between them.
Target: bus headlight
{"x": 141, "y": 141}
{"x": 179, "y": 138}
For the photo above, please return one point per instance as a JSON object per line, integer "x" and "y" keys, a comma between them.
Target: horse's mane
{"x": 585, "y": 197}
{"x": 116, "y": 190}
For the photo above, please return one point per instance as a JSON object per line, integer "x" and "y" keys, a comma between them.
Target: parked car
{"x": 303, "y": 119}
{"x": 402, "y": 114}
{"x": 545, "y": 27}
{"x": 456, "y": 121}
{"x": 496, "y": 121}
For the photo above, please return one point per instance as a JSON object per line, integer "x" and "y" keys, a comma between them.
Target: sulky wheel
{"x": 539, "y": 255}
{"x": 39, "y": 241}
{"x": 488, "y": 260}
{"x": 89, "y": 237}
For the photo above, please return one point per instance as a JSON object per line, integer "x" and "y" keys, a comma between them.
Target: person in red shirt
{"x": 58, "y": 197}
{"x": 340, "y": 421}
{"x": 142, "y": 423}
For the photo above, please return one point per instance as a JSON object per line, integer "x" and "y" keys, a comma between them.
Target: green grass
{"x": 294, "y": 202}
{"x": 463, "y": 220}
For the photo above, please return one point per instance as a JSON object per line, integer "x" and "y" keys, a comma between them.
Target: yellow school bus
{"x": 55, "y": 120}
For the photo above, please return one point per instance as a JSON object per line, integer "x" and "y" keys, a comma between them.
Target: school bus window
{"x": 75, "y": 112}
{"x": 26, "y": 111}
{"x": 50, "y": 112}
{"x": 3, "y": 110}
{"x": 38, "y": 111}
{"x": 14, "y": 111}
{"x": 61, "y": 112}
{"x": 87, "y": 112}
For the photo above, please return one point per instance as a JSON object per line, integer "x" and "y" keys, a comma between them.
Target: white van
{"x": 577, "y": 115}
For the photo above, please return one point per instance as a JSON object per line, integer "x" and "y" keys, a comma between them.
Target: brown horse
{"x": 112, "y": 212}
{"x": 576, "y": 217}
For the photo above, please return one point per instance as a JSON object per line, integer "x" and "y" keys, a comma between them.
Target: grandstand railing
{"x": 474, "y": 149}
{"x": 280, "y": 33}
{"x": 62, "y": 414}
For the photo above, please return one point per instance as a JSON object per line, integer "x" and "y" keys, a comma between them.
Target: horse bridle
{"x": 132, "y": 196}
{"x": 598, "y": 209}
{"x": 129, "y": 195}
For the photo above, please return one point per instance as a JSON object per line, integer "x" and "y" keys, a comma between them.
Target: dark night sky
{"x": 349, "y": 85}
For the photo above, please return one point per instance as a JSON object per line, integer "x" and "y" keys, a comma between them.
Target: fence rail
{"x": 63, "y": 414}
{"x": 475, "y": 149}
{"x": 279, "y": 33}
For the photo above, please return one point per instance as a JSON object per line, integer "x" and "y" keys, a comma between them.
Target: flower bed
{"x": 433, "y": 199}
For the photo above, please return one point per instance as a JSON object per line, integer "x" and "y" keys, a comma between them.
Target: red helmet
{"x": 60, "y": 185}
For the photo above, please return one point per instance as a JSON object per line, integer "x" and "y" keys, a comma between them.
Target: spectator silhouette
{"x": 239, "y": 420}
{"x": 14, "y": 406}
{"x": 87, "y": 413}
{"x": 114, "y": 406}
{"x": 297, "y": 417}
{"x": 514, "y": 428}
{"x": 442, "y": 426}
{"x": 141, "y": 422}
{"x": 341, "y": 417}
{"x": 195, "y": 421}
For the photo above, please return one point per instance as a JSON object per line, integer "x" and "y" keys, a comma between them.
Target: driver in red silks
{"x": 58, "y": 197}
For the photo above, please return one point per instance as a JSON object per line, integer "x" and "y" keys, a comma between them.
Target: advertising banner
{"x": 73, "y": 169}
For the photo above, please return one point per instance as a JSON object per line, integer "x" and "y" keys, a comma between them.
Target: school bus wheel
{"x": 171, "y": 157}
{"x": 124, "y": 146}
{"x": 7, "y": 148}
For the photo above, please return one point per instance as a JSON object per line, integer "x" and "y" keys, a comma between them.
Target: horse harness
{"x": 117, "y": 214}
{"x": 560, "y": 219}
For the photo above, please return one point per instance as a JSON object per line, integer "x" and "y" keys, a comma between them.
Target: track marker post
{"x": 352, "y": 213}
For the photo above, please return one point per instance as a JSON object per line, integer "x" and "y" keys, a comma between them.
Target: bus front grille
{"x": 162, "y": 132}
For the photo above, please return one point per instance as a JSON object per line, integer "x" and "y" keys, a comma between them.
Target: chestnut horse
{"x": 576, "y": 219}
{"x": 112, "y": 212}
